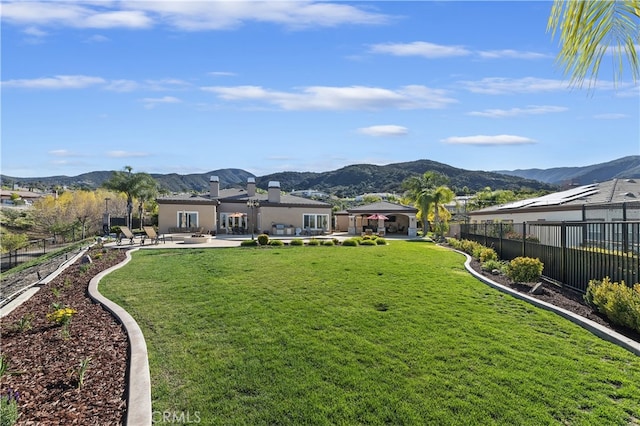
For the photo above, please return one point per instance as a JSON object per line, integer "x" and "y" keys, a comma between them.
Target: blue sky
{"x": 190, "y": 87}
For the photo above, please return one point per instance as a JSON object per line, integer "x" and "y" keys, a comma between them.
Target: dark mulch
{"x": 44, "y": 365}
{"x": 561, "y": 297}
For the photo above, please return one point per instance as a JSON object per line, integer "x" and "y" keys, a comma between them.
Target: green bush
{"x": 525, "y": 269}
{"x": 263, "y": 239}
{"x": 366, "y": 242}
{"x": 381, "y": 241}
{"x": 328, "y": 243}
{"x": 249, "y": 243}
{"x": 296, "y": 242}
{"x": 492, "y": 264}
{"x": 351, "y": 242}
{"x": 314, "y": 242}
{"x": 487, "y": 254}
{"x": 619, "y": 302}
{"x": 277, "y": 243}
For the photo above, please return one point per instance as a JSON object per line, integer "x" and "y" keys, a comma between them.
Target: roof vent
{"x": 630, "y": 181}
{"x": 630, "y": 195}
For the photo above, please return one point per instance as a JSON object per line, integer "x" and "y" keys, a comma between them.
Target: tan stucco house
{"x": 241, "y": 211}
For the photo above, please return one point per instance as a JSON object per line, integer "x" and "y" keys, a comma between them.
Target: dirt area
{"x": 565, "y": 298}
{"x": 44, "y": 362}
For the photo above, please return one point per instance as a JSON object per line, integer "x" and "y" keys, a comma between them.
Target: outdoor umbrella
{"x": 377, "y": 216}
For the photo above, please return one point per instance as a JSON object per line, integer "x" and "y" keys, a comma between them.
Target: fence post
{"x": 485, "y": 233}
{"x": 563, "y": 252}
{"x": 500, "y": 243}
{"x": 524, "y": 239}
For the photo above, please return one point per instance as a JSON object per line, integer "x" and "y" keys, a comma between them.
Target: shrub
{"x": 296, "y": 242}
{"x": 277, "y": 243}
{"x": 351, "y": 242}
{"x": 249, "y": 243}
{"x": 486, "y": 254}
{"x": 328, "y": 243}
{"x": 492, "y": 264}
{"x": 263, "y": 239}
{"x": 525, "y": 269}
{"x": 381, "y": 241}
{"x": 367, "y": 242}
{"x": 335, "y": 241}
{"x": 619, "y": 302}
{"x": 314, "y": 242}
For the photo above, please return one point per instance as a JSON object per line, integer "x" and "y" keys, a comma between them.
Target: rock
{"x": 495, "y": 271}
{"x": 537, "y": 289}
{"x": 86, "y": 259}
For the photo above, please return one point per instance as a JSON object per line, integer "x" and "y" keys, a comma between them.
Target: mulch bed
{"x": 44, "y": 363}
{"x": 561, "y": 297}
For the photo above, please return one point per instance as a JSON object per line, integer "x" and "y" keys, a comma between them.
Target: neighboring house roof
{"x": 235, "y": 195}
{"x": 25, "y": 195}
{"x": 615, "y": 191}
{"x": 383, "y": 207}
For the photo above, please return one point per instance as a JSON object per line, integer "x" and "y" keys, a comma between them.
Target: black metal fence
{"x": 33, "y": 250}
{"x": 573, "y": 253}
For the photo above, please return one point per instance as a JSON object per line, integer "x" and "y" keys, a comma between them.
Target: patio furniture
{"x": 126, "y": 233}
{"x": 153, "y": 235}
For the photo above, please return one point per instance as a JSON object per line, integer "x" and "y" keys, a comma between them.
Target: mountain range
{"x": 357, "y": 179}
{"x": 625, "y": 167}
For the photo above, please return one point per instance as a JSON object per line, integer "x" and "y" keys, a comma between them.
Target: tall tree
{"x": 590, "y": 29}
{"x": 419, "y": 190}
{"x": 440, "y": 196}
{"x": 133, "y": 185}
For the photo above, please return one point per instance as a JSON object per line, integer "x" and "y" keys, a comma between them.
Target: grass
{"x": 397, "y": 334}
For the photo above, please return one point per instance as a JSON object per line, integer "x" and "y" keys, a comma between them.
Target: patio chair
{"x": 125, "y": 233}
{"x": 153, "y": 235}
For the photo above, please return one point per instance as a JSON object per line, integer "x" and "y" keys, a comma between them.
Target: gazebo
{"x": 383, "y": 217}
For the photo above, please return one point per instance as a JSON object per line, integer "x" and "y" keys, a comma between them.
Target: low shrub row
{"x": 619, "y": 302}
{"x": 263, "y": 240}
{"x": 521, "y": 269}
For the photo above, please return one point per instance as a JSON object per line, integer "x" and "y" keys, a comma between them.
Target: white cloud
{"x": 222, "y": 74}
{"x": 97, "y": 38}
{"x": 488, "y": 140}
{"x": 420, "y": 48}
{"x": 511, "y": 54}
{"x": 499, "y": 85}
{"x": 34, "y": 32}
{"x": 63, "y": 153}
{"x": 610, "y": 116}
{"x": 57, "y": 82}
{"x": 188, "y": 15}
{"x": 127, "y": 154}
{"x": 78, "y": 15}
{"x": 122, "y": 85}
{"x": 384, "y": 130}
{"x": 153, "y": 102}
{"x": 339, "y": 98}
{"x": 529, "y": 110}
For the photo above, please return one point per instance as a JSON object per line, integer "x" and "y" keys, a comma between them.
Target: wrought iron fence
{"x": 573, "y": 253}
{"x": 33, "y": 250}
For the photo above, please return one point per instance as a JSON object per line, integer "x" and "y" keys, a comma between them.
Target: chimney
{"x": 274, "y": 192}
{"x": 251, "y": 187}
{"x": 214, "y": 187}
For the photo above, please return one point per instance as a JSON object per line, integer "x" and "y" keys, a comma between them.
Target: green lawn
{"x": 396, "y": 334}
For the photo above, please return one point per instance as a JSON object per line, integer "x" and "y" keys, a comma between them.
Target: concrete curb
{"x": 35, "y": 287}
{"x": 595, "y": 328}
{"x": 139, "y": 411}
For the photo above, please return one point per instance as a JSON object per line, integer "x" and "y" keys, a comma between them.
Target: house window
{"x": 316, "y": 221}
{"x": 187, "y": 219}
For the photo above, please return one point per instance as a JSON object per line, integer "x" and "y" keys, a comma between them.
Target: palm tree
{"x": 589, "y": 29}
{"x": 420, "y": 190}
{"x": 133, "y": 185}
{"x": 440, "y": 196}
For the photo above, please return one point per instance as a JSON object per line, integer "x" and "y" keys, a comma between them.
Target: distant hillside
{"x": 626, "y": 167}
{"x": 170, "y": 182}
{"x": 362, "y": 178}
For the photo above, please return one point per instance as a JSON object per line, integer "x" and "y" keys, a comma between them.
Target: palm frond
{"x": 590, "y": 29}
